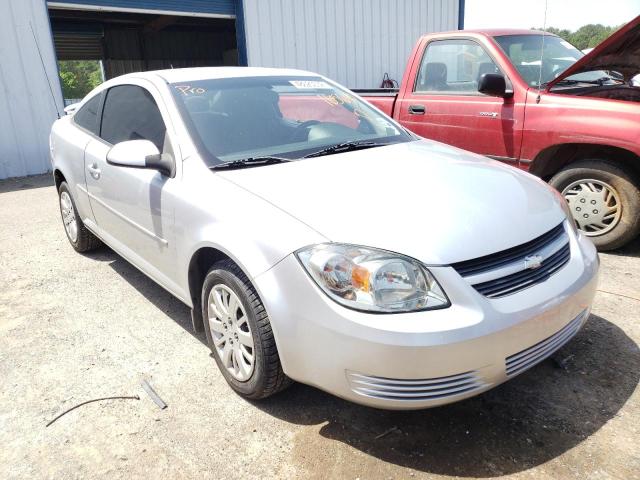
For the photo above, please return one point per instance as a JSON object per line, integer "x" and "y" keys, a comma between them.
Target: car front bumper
{"x": 424, "y": 359}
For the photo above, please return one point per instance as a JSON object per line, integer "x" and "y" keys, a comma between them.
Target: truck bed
{"x": 382, "y": 98}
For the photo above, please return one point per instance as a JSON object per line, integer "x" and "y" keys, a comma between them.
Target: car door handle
{"x": 94, "y": 171}
{"x": 416, "y": 109}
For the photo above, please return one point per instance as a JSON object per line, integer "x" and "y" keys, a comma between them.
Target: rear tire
{"x": 252, "y": 371}
{"x": 593, "y": 187}
{"x": 80, "y": 238}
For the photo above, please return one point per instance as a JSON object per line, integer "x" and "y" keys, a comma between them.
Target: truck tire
{"x": 80, "y": 238}
{"x": 605, "y": 201}
{"x": 239, "y": 333}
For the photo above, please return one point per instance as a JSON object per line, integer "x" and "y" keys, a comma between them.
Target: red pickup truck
{"x": 533, "y": 100}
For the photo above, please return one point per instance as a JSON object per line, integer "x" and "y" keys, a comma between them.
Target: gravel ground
{"x": 78, "y": 327}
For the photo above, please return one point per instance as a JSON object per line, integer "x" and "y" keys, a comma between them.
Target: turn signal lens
{"x": 360, "y": 277}
{"x": 372, "y": 280}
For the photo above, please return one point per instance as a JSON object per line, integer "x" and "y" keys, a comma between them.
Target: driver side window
{"x": 453, "y": 66}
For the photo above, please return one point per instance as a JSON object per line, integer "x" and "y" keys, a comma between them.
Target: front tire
{"x": 604, "y": 199}
{"x": 80, "y": 238}
{"x": 239, "y": 333}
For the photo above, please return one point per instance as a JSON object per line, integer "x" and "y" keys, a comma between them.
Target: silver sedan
{"x": 317, "y": 240}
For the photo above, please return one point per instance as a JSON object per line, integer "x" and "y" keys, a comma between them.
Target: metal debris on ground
{"x": 152, "y": 393}
{"x": 561, "y": 362}
{"x": 134, "y": 397}
{"x": 386, "y": 432}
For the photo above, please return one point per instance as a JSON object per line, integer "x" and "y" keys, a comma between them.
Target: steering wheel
{"x": 300, "y": 128}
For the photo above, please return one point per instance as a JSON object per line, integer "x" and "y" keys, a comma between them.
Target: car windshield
{"x": 286, "y": 117}
{"x": 524, "y": 52}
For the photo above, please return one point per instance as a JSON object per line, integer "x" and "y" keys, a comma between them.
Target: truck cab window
{"x": 453, "y": 66}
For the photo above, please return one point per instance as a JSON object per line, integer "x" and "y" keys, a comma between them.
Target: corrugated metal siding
{"x": 78, "y": 47}
{"x": 26, "y": 106}
{"x": 219, "y": 7}
{"x": 354, "y": 42}
{"x": 130, "y": 50}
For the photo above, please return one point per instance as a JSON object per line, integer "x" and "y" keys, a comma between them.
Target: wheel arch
{"x": 199, "y": 264}
{"x": 58, "y": 178}
{"x": 554, "y": 158}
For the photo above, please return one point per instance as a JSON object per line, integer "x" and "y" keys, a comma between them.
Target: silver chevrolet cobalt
{"x": 317, "y": 240}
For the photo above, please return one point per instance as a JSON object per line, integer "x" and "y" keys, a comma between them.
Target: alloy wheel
{"x": 231, "y": 333}
{"x": 69, "y": 216}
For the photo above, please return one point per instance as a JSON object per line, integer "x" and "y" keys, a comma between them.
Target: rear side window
{"x": 87, "y": 116}
{"x": 131, "y": 113}
{"x": 453, "y": 66}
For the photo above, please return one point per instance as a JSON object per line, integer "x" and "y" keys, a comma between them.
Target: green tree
{"x": 79, "y": 77}
{"x": 587, "y": 36}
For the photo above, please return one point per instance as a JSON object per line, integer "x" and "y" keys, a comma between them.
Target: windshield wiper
{"x": 599, "y": 81}
{"x": 345, "y": 147}
{"x": 561, "y": 82}
{"x": 250, "y": 162}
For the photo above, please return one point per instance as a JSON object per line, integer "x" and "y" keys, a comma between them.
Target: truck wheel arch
{"x": 554, "y": 158}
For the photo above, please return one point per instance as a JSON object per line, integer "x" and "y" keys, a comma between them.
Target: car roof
{"x": 203, "y": 73}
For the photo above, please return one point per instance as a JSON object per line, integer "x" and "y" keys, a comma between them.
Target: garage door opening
{"x": 93, "y": 46}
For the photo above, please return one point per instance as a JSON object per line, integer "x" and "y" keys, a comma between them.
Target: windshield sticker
{"x": 338, "y": 99}
{"x": 189, "y": 90}
{"x": 309, "y": 84}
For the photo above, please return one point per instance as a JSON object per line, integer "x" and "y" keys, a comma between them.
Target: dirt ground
{"x": 78, "y": 327}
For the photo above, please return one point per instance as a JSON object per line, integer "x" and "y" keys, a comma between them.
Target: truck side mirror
{"x": 493, "y": 84}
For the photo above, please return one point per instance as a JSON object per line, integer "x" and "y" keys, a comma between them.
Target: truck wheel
{"x": 80, "y": 238}
{"x": 239, "y": 333}
{"x": 604, "y": 199}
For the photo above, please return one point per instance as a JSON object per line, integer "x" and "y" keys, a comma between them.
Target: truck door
{"x": 444, "y": 103}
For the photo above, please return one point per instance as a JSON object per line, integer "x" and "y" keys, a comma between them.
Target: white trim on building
{"x": 98, "y": 8}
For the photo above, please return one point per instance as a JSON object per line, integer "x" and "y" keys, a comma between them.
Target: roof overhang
{"x": 107, "y": 8}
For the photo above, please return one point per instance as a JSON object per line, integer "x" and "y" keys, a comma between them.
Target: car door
{"x": 445, "y": 104}
{"x": 133, "y": 207}
{"x": 80, "y": 128}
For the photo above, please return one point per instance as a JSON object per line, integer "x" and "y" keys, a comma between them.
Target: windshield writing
{"x": 291, "y": 117}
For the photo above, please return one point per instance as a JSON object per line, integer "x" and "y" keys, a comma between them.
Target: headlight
{"x": 567, "y": 210}
{"x": 372, "y": 280}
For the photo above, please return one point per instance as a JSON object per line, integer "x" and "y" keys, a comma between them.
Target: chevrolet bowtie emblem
{"x": 531, "y": 262}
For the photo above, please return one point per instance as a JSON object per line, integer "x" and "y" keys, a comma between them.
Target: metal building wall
{"x": 352, "y": 41}
{"x": 27, "y": 107}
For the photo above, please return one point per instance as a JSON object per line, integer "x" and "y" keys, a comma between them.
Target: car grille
{"x": 412, "y": 390}
{"x": 505, "y": 273}
{"x": 527, "y": 358}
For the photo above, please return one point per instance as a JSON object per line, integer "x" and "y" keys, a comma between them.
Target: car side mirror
{"x": 493, "y": 84}
{"x": 141, "y": 154}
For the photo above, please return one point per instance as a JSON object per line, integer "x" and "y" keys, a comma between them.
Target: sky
{"x": 569, "y": 14}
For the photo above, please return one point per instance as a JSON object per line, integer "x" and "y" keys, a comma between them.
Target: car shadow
{"x": 630, "y": 250}
{"x": 163, "y": 300}
{"x": 523, "y": 423}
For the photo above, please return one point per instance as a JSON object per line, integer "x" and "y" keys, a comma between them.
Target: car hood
{"x": 433, "y": 202}
{"x": 619, "y": 52}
